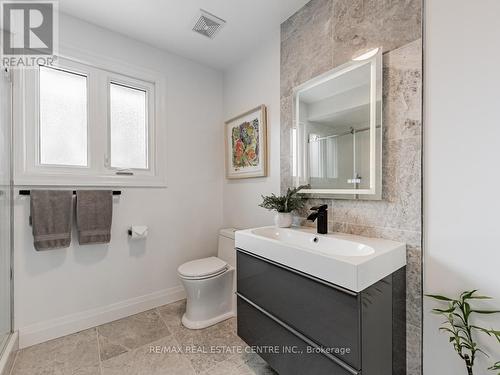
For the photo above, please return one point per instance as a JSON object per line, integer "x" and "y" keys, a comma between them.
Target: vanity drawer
{"x": 282, "y": 349}
{"x": 326, "y": 315}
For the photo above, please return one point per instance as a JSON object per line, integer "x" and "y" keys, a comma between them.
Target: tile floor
{"x": 151, "y": 343}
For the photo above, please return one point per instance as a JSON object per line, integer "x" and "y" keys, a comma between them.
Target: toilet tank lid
{"x": 228, "y": 232}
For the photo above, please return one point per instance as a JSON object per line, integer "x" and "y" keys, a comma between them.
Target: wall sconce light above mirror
{"x": 337, "y": 133}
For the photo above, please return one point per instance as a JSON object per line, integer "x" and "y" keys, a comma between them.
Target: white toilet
{"x": 210, "y": 285}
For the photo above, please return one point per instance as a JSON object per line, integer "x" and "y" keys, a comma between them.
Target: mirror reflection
{"x": 338, "y": 132}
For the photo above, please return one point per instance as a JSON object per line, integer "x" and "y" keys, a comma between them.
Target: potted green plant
{"x": 284, "y": 205}
{"x": 458, "y": 314}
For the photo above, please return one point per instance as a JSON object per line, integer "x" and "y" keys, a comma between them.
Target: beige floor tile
{"x": 129, "y": 333}
{"x": 124, "y": 348}
{"x": 75, "y": 354}
{"x": 92, "y": 370}
{"x": 144, "y": 361}
{"x": 234, "y": 325}
{"x": 224, "y": 368}
{"x": 244, "y": 364}
{"x": 251, "y": 363}
{"x": 108, "y": 349}
{"x": 172, "y": 314}
{"x": 217, "y": 343}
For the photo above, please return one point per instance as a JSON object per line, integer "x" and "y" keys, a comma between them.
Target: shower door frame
{"x": 7, "y": 75}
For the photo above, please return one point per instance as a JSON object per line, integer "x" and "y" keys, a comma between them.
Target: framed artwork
{"x": 246, "y": 144}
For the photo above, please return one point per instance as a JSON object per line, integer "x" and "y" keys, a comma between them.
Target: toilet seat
{"x": 202, "y": 268}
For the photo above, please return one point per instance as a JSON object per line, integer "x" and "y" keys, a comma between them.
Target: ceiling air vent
{"x": 208, "y": 24}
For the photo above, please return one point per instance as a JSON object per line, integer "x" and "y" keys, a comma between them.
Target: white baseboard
{"x": 8, "y": 355}
{"x": 65, "y": 325}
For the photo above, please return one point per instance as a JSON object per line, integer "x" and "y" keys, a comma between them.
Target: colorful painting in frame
{"x": 246, "y": 144}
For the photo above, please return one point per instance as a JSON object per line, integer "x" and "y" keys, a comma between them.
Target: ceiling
{"x": 167, "y": 24}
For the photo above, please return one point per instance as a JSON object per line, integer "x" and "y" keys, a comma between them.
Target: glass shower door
{"x": 5, "y": 207}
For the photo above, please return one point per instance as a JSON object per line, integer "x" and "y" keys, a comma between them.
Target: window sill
{"x": 90, "y": 181}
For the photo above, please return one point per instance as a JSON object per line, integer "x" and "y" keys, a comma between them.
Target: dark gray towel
{"x": 51, "y": 216}
{"x": 94, "y": 211}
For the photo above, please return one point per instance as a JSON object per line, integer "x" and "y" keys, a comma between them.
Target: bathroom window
{"x": 63, "y": 118}
{"x": 90, "y": 124}
{"x": 128, "y": 109}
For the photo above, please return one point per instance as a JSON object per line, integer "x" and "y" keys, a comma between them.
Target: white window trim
{"x": 26, "y": 117}
{"x": 149, "y": 88}
{"x": 33, "y": 117}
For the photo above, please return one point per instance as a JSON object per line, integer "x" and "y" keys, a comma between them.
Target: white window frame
{"x": 138, "y": 85}
{"x": 100, "y": 72}
{"x": 71, "y": 68}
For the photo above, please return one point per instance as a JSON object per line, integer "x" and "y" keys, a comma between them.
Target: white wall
{"x": 462, "y": 155}
{"x": 254, "y": 81}
{"x": 59, "y": 291}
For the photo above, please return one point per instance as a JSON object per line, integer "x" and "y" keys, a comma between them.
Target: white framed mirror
{"x": 337, "y": 132}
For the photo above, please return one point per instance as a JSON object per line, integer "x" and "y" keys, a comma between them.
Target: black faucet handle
{"x": 321, "y": 208}
{"x": 313, "y": 216}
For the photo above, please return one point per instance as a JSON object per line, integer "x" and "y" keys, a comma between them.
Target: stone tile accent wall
{"x": 325, "y": 34}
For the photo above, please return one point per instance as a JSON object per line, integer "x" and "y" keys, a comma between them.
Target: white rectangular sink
{"x": 352, "y": 262}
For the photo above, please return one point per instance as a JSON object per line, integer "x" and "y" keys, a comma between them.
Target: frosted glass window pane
{"x": 129, "y": 131}
{"x": 63, "y": 118}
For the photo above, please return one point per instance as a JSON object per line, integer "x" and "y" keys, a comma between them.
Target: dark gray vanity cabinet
{"x": 302, "y": 325}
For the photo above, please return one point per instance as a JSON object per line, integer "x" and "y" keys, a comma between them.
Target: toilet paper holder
{"x": 137, "y": 231}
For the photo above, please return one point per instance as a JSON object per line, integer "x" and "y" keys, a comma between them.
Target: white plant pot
{"x": 283, "y": 219}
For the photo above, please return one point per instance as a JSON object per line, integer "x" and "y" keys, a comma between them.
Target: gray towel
{"x": 51, "y": 216}
{"x": 94, "y": 211}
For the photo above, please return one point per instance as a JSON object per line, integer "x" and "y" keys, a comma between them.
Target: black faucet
{"x": 321, "y": 213}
